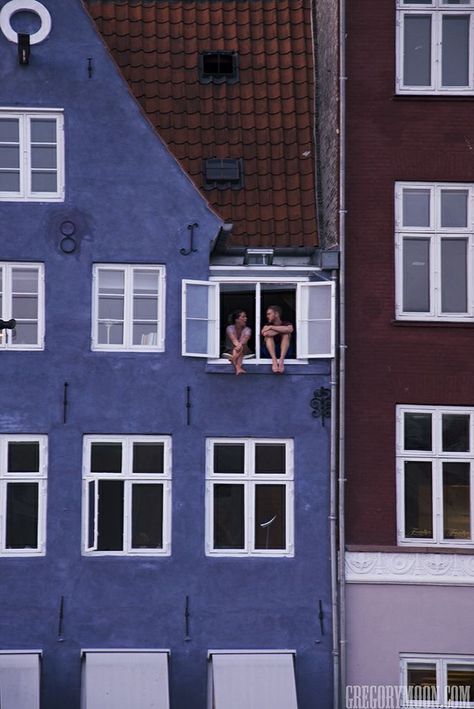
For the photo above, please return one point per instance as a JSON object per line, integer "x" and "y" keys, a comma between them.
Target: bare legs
{"x": 237, "y": 359}
{"x": 278, "y": 365}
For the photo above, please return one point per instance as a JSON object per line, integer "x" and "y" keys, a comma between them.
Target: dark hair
{"x": 235, "y": 314}
{"x": 276, "y": 309}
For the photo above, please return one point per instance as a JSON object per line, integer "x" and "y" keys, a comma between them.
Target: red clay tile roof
{"x": 266, "y": 118}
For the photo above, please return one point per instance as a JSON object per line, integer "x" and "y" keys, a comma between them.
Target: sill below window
{"x": 433, "y": 97}
{"x": 432, "y": 323}
{"x": 369, "y": 548}
{"x": 321, "y": 367}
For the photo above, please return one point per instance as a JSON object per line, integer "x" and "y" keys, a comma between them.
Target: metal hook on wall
{"x": 191, "y": 250}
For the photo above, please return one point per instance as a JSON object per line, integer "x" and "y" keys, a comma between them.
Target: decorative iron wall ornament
{"x": 68, "y": 243}
{"x": 321, "y": 404}
{"x": 191, "y": 250}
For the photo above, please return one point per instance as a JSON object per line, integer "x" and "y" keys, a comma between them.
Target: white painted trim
{"x": 409, "y": 568}
{"x": 437, "y": 11}
{"x": 6, "y": 312}
{"x": 248, "y": 480}
{"x": 434, "y": 234}
{"x": 129, "y": 478}
{"x": 212, "y": 316}
{"x": 14, "y": 6}
{"x": 128, "y": 272}
{"x": 39, "y": 477}
{"x": 125, "y": 650}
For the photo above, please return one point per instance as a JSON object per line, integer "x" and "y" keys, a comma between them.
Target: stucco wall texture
{"x": 131, "y": 203}
{"x": 391, "y": 138}
{"x": 421, "y": 619}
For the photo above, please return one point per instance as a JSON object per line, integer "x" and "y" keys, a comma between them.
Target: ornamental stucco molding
{"x": 414, "y": 568}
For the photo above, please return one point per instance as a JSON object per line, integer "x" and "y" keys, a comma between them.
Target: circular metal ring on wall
{"x": 68, "y": 245}
{"x": 68, "y": 228}
{"x": 14, "y": 6}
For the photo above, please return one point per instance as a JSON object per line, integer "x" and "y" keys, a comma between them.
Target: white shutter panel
{"x": 19, "y": 680}
{"x": 200, "y": 319}
{"x": 315, "y": 313}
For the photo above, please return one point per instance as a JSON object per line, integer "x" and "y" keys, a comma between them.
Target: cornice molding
{"x": 415, "y": 568}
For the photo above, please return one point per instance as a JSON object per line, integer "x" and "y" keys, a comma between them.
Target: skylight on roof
{"x": 218, "y": 67}
{"x": 223, "y": 173}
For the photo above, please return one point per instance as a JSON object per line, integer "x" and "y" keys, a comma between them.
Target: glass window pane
{"x": 454, "y": 208}
{"x": 24, "y": 280}
{"x": 454, "y": 275}
{"x": 145, "y": 308}
{"x": 147, "y": 516}
{"x": 456, "y": 505}
{"x": 456, "y": 432}
{"x": 25, "y": 334}
{"x": 270, "y": 517}
{"x": 43, "y": 157}
{"x": 111, "y": 282}
{"x": 91, "y": 514}
{"x": 9, "y": 181}
{"x": 148, "y": 458}
{"x": 44, "y": 182}
{"x": 145, "y": 334}
{"x": 416, "y": 275}
{"x": 43, "y": 130}
{"x": 418, "y": 500}
{"x": 22, "y": 516}
{"x": 25, "y": 307}
{"x": 417, "y": 50}
{"x": 106, "y": 458}
{"x": 460, "y": 684}
{"x": 270, "y": 458}
{"x": 455, "y": 50}
{"x": 229, "y": 458}
{"x": 421, "y": 681}
{"x": 23, "y": 457}
{"x": 110, "y": 515}
{"x": 9, "y": 156}
{"x": 417, "y": 432}
{"x": 229, "y": 525}
{"x": 416, "y": 208}
{"x": 197, "y": 302}
{"x": 9, "y": 130}
{"x": 110, "y": 333}
{"x": 319, "y": 337}
{"x": 145, "y": 281}
{"x": 111, "y": 307}
{"x": 197, "y": 336}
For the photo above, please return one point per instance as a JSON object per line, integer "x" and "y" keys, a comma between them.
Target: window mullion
{"x": 26, "y": 186}
{"x": 128, "y": 307}
{"x": 435, "y": 285}
{"x": 249, "y": 501}
{"x": 3, "y": 510}
{"x": 127, "y": 516}
{"x": 258, "y": 325}
{"x": 436, "y": 34}
{"x": 438, "y": 511}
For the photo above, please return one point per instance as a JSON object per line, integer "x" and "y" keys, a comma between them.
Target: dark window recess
{"x": 110, "y": 515}
{"x": 147, "y": 516}
{"x": 23, "y": 457}
{"x": 22, "y": 516}
{"x": 218, "y": 67}
{"x": 229, "y": 522}
{"x": 223, "y": 174}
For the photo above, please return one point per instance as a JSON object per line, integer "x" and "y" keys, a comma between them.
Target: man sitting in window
{"x": 277, "y": 336}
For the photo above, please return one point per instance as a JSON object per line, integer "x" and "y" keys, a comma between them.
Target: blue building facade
{"x": 133, "y": 514}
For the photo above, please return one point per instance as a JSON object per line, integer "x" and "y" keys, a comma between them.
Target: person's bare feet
{"x": 240, "y": 371}
{"x": 281, "y": 366}
{"x": 275, "y": 367}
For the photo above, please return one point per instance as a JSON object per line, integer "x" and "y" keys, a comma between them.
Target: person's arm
{"x": 245, "y": 335}
{"x": 231, "y": 334}
{"x": 283, "y": 329}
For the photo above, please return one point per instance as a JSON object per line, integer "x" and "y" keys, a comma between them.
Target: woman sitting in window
{"x": 237, "y": 335}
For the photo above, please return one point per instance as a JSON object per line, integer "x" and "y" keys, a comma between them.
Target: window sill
{"x": 433, "y": 97}
{"x": 432, "y": 323}
{"x": 321, "y": 367}
{"x": 406, "y": 549}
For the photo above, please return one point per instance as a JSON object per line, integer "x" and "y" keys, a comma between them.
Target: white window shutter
{"x": 200, "y": 319}
{"x": 315, "y": 314}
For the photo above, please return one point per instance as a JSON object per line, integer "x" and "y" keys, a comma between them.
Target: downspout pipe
{"x": 342, "y": 348}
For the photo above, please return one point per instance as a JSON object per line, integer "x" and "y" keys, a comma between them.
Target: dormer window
{"x": 223, "y": 174}
{"x": 218, "y": 67}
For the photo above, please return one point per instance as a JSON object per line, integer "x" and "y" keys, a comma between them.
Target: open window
{"x": 208, "y": 309}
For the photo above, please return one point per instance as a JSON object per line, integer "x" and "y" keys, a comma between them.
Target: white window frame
{"x": 129, "y": 478}
{"x": 434, "y": 233}
{"x": 39, "y": 477}
{"x": 6, "y": 338}
{"x": 441, "y": 663}
{"x": 436, "y": 457}
{"x": 249, "y": 479}
{"x": 299, "y": 284}
{"x": 128, "y": 271}
{"x": 25, "y": 194}
{"x": 436, "y": 9}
